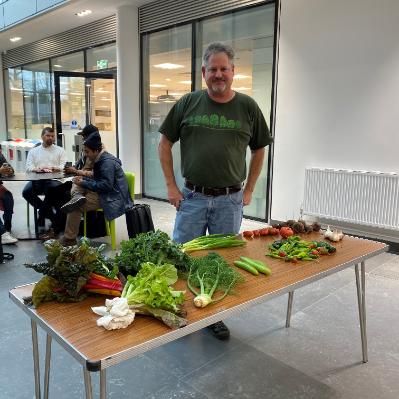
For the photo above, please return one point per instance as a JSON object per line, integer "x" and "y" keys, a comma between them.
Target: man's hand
{"x": 6, "y": 170}
{"x": 175, "y": 196}
{"x": 78, "y": 180}
{"x": 55, "y": 169}
{"x": 247, "y": 197}
{"x": 70, "y": 170}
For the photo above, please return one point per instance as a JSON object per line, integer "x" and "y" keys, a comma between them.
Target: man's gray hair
{"x": 215, "y": 48}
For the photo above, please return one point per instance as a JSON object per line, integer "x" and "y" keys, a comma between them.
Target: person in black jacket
{"x": 6, "y": 204}
{"x": 106, "y": 189}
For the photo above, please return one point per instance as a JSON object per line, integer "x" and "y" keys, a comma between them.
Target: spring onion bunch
{"x": 213, "y": 241}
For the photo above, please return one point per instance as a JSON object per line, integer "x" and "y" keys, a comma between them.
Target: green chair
{"x": 110, "y": 224}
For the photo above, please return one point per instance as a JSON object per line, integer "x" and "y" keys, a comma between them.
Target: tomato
{"x": 282, "y": 254}
{"x": 286, "y": 232}
{"x": 273, "y": 231}
{"x": 256, "y": 233}
{"x": 264, "y": 232}
{"x": 248, "y": 234}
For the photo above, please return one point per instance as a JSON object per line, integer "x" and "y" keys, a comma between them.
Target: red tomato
{"x": 248, "y": 234}
{"x": 273, "y": 231}
{"x": 256, "y": 233}
{"x": 286, "y": 232}
{"x": 264, "y": 232}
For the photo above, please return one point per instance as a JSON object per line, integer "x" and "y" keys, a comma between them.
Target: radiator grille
{"x": 360, "y": 197}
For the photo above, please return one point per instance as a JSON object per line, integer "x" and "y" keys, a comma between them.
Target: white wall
{"x": 338, "y": 92}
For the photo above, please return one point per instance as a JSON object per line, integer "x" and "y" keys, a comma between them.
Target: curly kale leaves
{"x": 155, "y": 247}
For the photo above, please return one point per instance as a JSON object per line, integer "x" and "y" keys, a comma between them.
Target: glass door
{"x": 80, "y": 99}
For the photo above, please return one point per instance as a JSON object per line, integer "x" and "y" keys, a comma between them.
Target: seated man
{"x": 6, "y": 203}
{"x": 45, "y": 158}
{"x": 106, "y": 189}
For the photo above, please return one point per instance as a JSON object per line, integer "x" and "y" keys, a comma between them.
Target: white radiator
{"x": 367, "y": 198}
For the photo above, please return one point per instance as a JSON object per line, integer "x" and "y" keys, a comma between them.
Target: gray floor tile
{"x": 252, "y": 374}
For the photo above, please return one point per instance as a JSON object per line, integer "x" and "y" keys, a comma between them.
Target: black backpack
{"x": 138, "y": 220}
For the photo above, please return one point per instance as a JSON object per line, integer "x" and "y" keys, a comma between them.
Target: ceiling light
{"x": 57, "y": 66}
{"x": 242, "y": 88}
{"x": 157, "y": 85}
{"x": 15, "y": 89}
{"x": 168, "y": 65}
{"x": 239, "y": 76}
{"x": 186, "y": 82}
{"x": 15, "y": 39}
{"x": 83, "y": 13}
{"x": 168, "y": 79}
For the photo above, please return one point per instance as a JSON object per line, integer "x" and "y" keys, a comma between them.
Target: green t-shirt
{"x": 214, "y": 137}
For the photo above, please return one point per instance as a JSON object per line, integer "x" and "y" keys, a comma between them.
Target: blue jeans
{"x": 199, "y": 213}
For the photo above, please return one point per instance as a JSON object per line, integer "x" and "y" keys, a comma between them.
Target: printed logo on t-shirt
{"x": 214, "y": 121}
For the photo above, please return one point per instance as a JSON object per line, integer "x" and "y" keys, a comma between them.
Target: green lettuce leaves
{"x": 151, "y": 286}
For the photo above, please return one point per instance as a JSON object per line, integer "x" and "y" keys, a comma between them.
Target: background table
{"x": 33, "y": 176}
{"x": 73, "y": 325}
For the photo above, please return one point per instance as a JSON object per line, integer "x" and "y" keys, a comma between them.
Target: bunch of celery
{"x": 213, "y": 241}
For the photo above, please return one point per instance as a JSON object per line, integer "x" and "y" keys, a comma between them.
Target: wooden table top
{"x": 73, "y": 325}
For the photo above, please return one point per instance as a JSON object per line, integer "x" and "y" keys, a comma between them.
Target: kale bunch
{"x": 155, "y": 247}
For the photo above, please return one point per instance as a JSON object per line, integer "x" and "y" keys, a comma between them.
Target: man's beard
{"x": 219, "y": 89}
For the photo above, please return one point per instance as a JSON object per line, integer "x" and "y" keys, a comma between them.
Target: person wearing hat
{"x": 59, "y": 196}
{"x": 107, "y": 188}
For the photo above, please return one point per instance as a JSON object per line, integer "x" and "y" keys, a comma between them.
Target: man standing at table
{"x": 45, "y": 158}
{"x": 215, "y": 126}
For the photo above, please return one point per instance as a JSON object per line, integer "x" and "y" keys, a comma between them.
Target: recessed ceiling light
{"x": 57, "y": 66}
{"x": 83, "y": 13}
{"x": 15, "y": 39}
{"x": 168, "y": 65}
{"x": 186, "y": 82}
{"x": 241, "y": 88}
{"x": 157, "y": 85}
{"x": 239, "y": 76}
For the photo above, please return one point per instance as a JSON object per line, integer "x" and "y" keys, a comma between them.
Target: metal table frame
{"x": 90, "y": 366}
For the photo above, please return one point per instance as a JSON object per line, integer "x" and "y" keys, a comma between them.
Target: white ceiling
{"x": 61, "y": 19}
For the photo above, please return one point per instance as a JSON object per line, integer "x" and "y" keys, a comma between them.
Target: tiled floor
{"x": 318, "y": 357}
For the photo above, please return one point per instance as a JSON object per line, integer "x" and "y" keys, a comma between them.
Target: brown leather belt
{"x": 213, "y": 191}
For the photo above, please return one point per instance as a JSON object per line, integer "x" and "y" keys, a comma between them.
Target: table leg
{"x": 87, "y": 378}
{"x": 36, "y": 364}
{"x": 47, "y": 366}
{"x": 289, "y": 309}
{"x": 103, "y": 384}
{"x": 361, "y": 301}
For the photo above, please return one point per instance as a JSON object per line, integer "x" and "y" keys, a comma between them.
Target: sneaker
{"x": 219, "y": 330}
{"x": 67, "y": 242}
{"x": 75, "y": 203}
{"x": 8, "y": 238}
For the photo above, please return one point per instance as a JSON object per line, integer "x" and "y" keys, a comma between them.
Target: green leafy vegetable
{"x": 155, "y": 247}
{"x": 70, "y": 268}
{"x": 213, "y": 241}
{"x": 151, "y": 286}
{"x": 211, "y": 273}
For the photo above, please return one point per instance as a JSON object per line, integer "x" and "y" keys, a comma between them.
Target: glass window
{"x": 37, "y": 95}
{"x": 72, "y": 62}
{"x": 14, "y": 103}
{"x": 15, "y": 10}
{"x": 251, "y": 34}
{"x": 167, "y": 76}
{"x": 102, "y": 57}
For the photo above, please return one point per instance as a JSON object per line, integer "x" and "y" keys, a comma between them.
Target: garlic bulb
{"x": 336, "y": 235}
